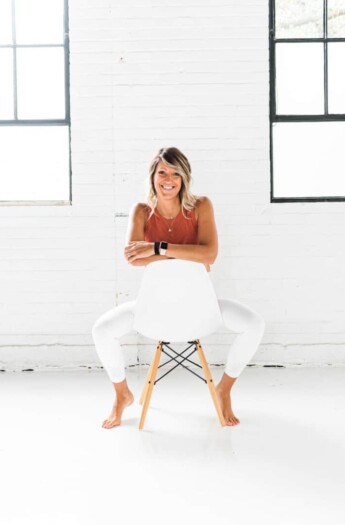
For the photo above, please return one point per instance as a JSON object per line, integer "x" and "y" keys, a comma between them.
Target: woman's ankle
{"x": 122, "y": 389}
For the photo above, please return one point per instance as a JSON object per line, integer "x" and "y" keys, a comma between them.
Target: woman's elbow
{"x": 212, "y": 256}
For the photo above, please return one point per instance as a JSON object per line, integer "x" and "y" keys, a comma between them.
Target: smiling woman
{"x": 173, "y": 224}
{"x": 172, "y": 215}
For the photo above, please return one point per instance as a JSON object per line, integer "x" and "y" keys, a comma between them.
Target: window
{"x": 35, "y": 164}
{"x": 307, "y": 100}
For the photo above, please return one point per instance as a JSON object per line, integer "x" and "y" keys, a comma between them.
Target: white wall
{"x": 193, "y": 75}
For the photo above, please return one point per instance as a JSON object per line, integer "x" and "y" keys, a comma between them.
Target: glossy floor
{"x": 283, "y": 464}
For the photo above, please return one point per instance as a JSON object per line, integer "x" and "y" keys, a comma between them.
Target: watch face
{"x": 164, "y": 245}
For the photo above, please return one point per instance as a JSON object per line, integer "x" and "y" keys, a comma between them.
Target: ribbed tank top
{"x": 184, "y": 231}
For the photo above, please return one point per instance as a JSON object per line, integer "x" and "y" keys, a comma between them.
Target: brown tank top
{"x": 183, "y": 231}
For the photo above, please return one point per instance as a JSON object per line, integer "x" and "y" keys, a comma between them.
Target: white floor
{"x": 283, "y": 464}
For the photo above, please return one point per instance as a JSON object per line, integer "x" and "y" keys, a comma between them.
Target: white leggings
{"x": 118, "y": 321}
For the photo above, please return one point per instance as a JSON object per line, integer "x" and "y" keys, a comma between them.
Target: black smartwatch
{"x": 163, "y": 248}
{"x": 157, "y": 247}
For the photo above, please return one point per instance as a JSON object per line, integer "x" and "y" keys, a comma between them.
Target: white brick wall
{"x": 193, "y": 75}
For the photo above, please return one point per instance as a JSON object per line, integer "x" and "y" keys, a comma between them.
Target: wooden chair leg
{"x": 151, "y": 381}
{"x": 143, "y": 394}
{"x": 210, "y": 383}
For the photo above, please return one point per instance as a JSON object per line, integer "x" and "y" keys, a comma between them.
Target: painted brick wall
{"x": 194, "y": 75}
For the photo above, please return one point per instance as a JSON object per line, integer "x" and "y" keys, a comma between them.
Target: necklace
{"x": 171, "y": 223}
{"x": 173, "y": 219}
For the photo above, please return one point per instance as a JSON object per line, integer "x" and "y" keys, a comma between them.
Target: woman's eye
{"x": 163, "y": 173}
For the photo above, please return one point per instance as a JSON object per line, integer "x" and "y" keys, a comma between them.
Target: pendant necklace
{"x": 173, "y": 219}
{"x": 170, "y": 226}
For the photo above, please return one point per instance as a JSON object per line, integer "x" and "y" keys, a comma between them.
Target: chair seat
{"x": 176, "y": 302}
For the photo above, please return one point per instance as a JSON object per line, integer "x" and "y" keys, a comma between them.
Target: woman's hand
{"x": 139, "y": 250}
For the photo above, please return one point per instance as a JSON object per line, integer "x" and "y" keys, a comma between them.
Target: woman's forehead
{"x": 162, "y": 165}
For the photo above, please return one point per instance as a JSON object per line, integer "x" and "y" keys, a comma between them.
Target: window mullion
{"x": 272, "y": 62}
{"x": 66, "y": 56}
{"x": 15, "y": 93}
{"x": 325, "y": 54}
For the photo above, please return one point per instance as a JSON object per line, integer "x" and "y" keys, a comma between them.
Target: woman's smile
{"x": 167, "y": 181}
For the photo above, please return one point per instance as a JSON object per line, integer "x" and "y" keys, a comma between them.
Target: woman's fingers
{"x": 138, "y": 249}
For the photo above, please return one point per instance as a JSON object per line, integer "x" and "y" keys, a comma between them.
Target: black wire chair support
{"x": 179, "y": 363}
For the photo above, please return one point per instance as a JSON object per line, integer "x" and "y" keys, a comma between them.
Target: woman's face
{"x": 167, "y": 182}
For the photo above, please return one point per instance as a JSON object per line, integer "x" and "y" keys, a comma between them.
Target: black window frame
{"x": 43, "y": 122}
{"x": 326, "y": 117}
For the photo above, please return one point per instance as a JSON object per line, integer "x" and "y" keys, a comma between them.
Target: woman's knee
{"x": 253, "y": 318}
{"x": 240, "y": 317}
{"x": 100, "y": 328}
{"x": 115, "y": 322}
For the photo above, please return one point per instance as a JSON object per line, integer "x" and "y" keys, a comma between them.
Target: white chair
{"x": 176, "y": 303}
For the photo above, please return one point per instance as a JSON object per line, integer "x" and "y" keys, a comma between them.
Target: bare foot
{"x": 225, "y": 403}
{"x": 120, "y": 403}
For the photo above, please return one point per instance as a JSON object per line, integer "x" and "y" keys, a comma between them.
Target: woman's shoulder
{"x": 203, "y": 202}
{"x": 140, "y": 210}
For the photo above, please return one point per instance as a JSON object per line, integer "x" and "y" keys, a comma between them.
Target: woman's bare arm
{"x": 136, "y": 223}
{"x": 204, "y": 252}
{"x": 207, "y": 249}
{"x": 136, "y": 232}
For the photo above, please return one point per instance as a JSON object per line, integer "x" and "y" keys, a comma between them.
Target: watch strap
{"x": 163, "y": 247}
{"x": 157, "y": 252}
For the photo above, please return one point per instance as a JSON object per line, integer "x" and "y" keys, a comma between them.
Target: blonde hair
{"x": 174, "y": 158}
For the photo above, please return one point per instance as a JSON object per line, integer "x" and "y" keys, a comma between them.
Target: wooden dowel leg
{"x": 151, "y": 381}
{"x": 210, "y": 383}
{"x": 143, "y": 394}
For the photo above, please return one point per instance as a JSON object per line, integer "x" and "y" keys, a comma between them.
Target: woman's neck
{"x": 169, "y": 209}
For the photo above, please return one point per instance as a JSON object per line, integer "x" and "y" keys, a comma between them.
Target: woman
{"x": 186, "y": 223}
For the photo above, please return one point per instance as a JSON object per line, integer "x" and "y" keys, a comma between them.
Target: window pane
{"x": 6, "y": 84}
{"x": 41, "y": 85}
{"x": 336, "y": 18}
{"x": 298, "y": 18}
{"x": 299, "y": 79}
{"x": 6, "y": 22}
{"x": 336, "y": 77}
{"x": 309, "y": 159}
{"x": 34, "y": 163}
{"x": 39, "y": 21}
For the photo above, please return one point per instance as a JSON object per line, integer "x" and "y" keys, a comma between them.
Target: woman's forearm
{"x": 144, "y": 261}
{"x": 191, "y": 252}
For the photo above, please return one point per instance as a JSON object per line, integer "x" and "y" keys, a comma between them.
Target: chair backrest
{"x": 176, "y": 302}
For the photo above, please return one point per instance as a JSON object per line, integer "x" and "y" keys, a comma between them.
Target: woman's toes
{"x": 232, "y": 421}
{"x": 110, "y": 423}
